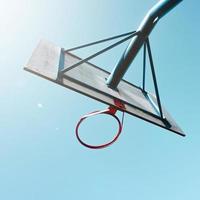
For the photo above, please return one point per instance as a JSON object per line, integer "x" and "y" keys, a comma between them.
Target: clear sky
{"x": 40, "y": 157}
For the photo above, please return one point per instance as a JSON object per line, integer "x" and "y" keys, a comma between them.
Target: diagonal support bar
{"x": 100, "y": 41}
{"x": 154, "y": 78}
{"x": 144, "y": 67}
{"x": 99, "y": 52}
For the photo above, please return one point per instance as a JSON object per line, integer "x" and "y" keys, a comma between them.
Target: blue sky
{"x": 40, "y": 157}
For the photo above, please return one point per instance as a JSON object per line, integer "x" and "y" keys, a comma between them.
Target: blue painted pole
{"x": 145, "y": 28}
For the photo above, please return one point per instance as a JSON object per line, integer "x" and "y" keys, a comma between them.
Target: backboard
{"x": 48, "y": 60}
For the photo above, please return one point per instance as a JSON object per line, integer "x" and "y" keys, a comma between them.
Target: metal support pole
{"x": 145, "y": 28}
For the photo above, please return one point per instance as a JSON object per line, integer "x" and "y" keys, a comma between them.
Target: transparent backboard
{"x": 48, "y": 60}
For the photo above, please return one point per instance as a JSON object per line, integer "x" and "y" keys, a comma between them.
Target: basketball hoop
{"x": 109, "y": 111}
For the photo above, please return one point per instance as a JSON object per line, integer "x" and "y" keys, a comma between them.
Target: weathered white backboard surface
{"x": 48, "y": 60}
